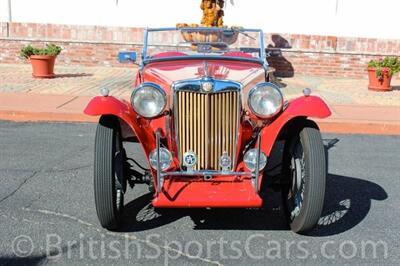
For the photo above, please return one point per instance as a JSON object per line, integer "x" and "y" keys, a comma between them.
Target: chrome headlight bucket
{"x": 165, "y": 159}
{"x": 265, "y": 100}
{"x": 149, "y": 100}
{"x": 250, "y": 160}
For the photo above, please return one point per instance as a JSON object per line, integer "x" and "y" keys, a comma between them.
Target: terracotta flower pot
{"x": 42, "y": 66}
{"x": 379, "y": 83}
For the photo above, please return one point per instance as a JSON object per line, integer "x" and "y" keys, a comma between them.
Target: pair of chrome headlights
{"x": 265, "y": 100}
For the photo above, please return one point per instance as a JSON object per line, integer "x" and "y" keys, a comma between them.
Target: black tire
{"x": 303, "y": 196}
{"x": 109, "y": 179}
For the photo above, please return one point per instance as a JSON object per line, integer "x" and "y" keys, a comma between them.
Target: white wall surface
{"x": 355, "y": 18}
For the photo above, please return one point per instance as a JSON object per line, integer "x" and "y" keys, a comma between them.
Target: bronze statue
{"x": 212, "y": 13}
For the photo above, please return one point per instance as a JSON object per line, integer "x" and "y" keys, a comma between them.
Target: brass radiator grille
{"x": 207, "y": 124}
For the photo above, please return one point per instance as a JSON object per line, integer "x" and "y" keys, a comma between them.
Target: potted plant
{"x": 42, "y": 59}
{"x": 380, "y": 73}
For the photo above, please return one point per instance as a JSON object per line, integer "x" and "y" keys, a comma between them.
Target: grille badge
{"x": 189, "y": 160}
{"x": 207, "y": 86}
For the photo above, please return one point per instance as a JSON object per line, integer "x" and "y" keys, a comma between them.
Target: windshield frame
{"x": 262, "y": 59}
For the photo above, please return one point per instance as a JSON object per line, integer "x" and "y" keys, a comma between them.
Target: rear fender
{"x": 311, "y": 106}
{"x": 110, "y": 105}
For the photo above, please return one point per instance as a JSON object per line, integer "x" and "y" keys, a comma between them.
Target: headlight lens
{"x": 148, "y": 100}
{"x": 265, "y": 100}
{"x": 250, "y": 159}
{"x": 165, "y": 159}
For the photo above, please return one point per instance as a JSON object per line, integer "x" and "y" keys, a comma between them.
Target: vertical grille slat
{"x": 207, "y": 131}
{"x": 207, "y": 125}
{"x": 179, "y": 130}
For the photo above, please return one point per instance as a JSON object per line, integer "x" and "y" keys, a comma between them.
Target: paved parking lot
{"x": 47, "y": 212}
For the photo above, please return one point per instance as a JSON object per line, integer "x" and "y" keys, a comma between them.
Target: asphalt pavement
{"x": 47, "y": 213}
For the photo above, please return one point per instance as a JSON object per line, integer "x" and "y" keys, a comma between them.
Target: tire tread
{"x": 104, "y": 173}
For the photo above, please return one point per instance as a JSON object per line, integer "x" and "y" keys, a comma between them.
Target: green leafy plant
{"x": 50, "y": 49}
{"x": 389, "y": 64}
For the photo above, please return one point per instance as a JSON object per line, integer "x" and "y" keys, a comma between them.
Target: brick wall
{"x": 83, "y": 45}
{"x": 289, "y": 53}
{"x": 326, "y": 55}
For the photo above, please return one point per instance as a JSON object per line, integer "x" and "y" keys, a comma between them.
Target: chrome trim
{"x": 200, "y": 28}
{"x": 160, "y": 178}
{"x": 204, "y": 57}
{"x": 205, "y": 66}
{"x": 256, "y": 173}
{"x": 262, "y": 59}
{"x": 262, "y": 85}
{"x": 307, "y": 92}
{"x": 144, "y": 51}
{"x": 155, "y": 86}
{"x": 239, "y": 119}
{"x": 206, "y": 173}
{"x": 219, "y": 85}
{"x": 263, "y": 53}
{"x": 175, "y": 126}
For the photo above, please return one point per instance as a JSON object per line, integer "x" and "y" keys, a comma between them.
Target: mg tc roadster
{"x": 208, "y": 118}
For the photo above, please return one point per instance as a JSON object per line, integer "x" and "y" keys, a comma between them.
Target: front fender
{"x": 311, "y": 106}
{"x": 110, "y": 105}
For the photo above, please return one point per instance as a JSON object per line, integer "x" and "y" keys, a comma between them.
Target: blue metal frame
{"x": 263, "y": 54}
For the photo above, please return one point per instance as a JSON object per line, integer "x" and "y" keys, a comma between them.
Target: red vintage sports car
{"x": 207, "y": 118}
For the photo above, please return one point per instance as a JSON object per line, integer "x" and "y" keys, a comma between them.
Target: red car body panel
{"x": 165, "y": 73}
{"x": 227, "y": 191}
{"x": 181, "y": 194}
{"x": 110, "y": 105}
{"x": 310, "y": 106}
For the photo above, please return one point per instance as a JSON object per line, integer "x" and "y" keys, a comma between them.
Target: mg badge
{"x": 207, "y": 86}
{"x": 189, "y": 160}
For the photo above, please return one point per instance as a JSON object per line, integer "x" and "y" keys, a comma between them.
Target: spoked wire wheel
{"x": 295, "y": 195}
{"x": 305, "y": 170}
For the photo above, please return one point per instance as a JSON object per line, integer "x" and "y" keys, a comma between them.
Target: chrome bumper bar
{"x": 206, "y": 173}
{"x": 160, "y": 179}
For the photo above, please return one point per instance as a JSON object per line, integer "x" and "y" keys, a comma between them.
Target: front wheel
{"x": 109, "y": 179}
{"x": 305, "y": 173}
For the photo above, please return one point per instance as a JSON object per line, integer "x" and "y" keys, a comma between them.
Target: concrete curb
{"x": 357, "y": 127}
{"x": 21, "y": 116}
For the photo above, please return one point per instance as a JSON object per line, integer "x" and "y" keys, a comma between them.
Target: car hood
{"x": 167, "y": 72}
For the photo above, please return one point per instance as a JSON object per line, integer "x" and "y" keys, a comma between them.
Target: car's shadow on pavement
{"x": 347, "y": 203}
{"x": 347, "y": 200}
{"x": 139, "y": 215}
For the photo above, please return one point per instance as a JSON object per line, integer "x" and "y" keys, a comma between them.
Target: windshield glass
{"x": 203, "y": 42}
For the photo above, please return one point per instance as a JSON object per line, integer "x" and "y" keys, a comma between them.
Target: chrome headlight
{"x": 165, "y": 159}
{"x": 148, "y": 100}
{"x": 265, "y": 100}
{"x": 250, "y": 160}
